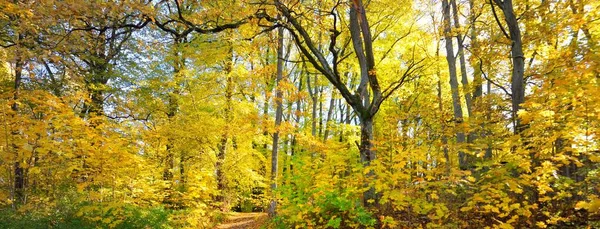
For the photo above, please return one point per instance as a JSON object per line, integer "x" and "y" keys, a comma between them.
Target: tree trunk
{"x": 268, "y": 89}
{"x": 343, "y": 110}
{"x": 19, "y": 182}
{"x": 172, "y": 109}
{"x": 182, "y": 175}
{"x": 221, "y": 179}
{"x": 461, "y": 58}
{"x": 298, "y": 115}
{"x": 321, "y": 111}
{"x": 329, "y": 116}
{"x": 278, "y": 117}
{"x": 518, "y": 61}
{"x": 489, "y": 150}
{"x": 477, "y": 65}
{"x": 96, "y": 82}
{"x": 169, "y": 158}
{"x": 458, "y": 114}
{"x": 366, "y": 137}
{"x": 468, "y": 159}
{"x": 441, "y": 110}
{"x": 367, "y": 155}
{"x": 312, "y": 91}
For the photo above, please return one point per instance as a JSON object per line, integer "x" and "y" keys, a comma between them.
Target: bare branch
{"x": 491, "y": 81}
{"x": 496, "y": 17}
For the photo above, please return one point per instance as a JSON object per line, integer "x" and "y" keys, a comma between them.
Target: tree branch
{"x": 498, "y": 20}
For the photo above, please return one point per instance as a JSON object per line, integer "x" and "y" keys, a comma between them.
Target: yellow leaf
{"x": 541, "y": 224}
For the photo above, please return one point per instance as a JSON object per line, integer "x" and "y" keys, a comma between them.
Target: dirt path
{"x": 244, "y": 221}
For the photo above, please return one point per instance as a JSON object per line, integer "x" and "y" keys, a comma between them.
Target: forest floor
{"x": 244, "y": 221}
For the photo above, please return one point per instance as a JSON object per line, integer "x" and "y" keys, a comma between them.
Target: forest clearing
{"x": 299, "y": 114}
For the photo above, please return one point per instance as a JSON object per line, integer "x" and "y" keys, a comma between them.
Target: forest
{"x": 305, "y": 113}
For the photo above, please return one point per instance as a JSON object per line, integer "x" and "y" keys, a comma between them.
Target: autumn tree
{"x": 369, "y": 95}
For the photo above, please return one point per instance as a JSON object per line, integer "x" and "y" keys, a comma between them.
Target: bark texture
{"x": 278, "y": 118}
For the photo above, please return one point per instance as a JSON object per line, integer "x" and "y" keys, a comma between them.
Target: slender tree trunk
{"x": 221, "y": 179}
{"x": 342, "y": 109}
{"x": 321, "y": 111}
{"x": 348, "y": 116}
{"x": 348, "y": 119}
{"x": 19, "y": 179}
{"x": 518, "y": 61}
{"x": 182, "y": 175}
{"x": 278, "y": 117}
{"x": 441, "y": 113}
{"x": 461, "y": 58}
{"x": 268, "y": 89}
{"x": 329, "y": 116}
{"x": 468, "y": 159}
{"x": 477, "y": 65}
{"x": 284, "y": 149}
{"x": 489, "y": 150}
{"x": 312, "y": 91}
{"x": 458, "y": 114}
{"x": 518, "y": 85}
{"x": 297, "y": 124}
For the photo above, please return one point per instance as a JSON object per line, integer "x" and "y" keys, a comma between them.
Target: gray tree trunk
{"x": 456, "y": 104}
{"x": 312, "y": 92}
{"x": 477, "y": 65}
{"x": 278, "y": 117}
{"x": 461, "y": 58}
{"x": 441, "y": 112}
{"x": 329, "y": 116}
{"x": 518, "y": 60}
